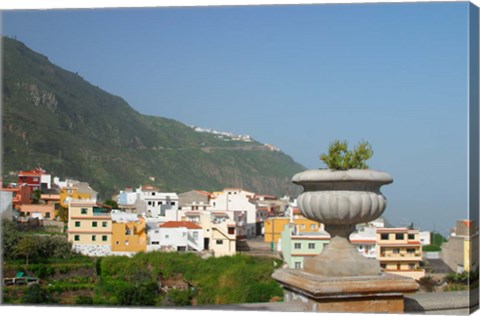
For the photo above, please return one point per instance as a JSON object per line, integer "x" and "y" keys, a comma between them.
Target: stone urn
{"x": 340, "y": 199}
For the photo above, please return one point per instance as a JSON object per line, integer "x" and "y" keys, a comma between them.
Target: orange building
{"x": 40, "y": 211}
{"x": 274, "y": 226}
{"x": 128, "y": 234}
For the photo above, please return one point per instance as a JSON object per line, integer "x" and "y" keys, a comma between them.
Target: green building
{"x": 295, "y": 247}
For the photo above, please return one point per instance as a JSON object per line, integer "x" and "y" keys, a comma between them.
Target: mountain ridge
{"x": 56, "y": 118}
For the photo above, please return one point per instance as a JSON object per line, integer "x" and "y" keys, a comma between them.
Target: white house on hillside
{"x": 237, "y": 204}
{"x": 176, "y": 236}
{"x": 151, "y": 202}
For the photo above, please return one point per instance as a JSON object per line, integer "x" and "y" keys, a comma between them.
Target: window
{"x": 411, "y": 236}
{"x": 94, "y": 238}
{"x": 396, "y": 250}
{"x": 298, "y": 265}
{"x": 384, "y": 236}
{"x": 83, "y": 211}
{"x": 412, "y": 266}
{"x": 166, "y": 236}
{"x": 104, "y": 224}
{"x": 298, "y": 245}
{"x": 77, "y": 237}
{"x": 149, "y": 202}
{"x": 399, "y": 236}
{"x": 47, "y": 215}
{"x": 172, "y": 203}
{"x": 410, "y": 250}
{"x": 104, "y": 238}
{"x": 311, "y": 246}
{"x": 153, "y": 193}
{"x": 313, "y": 226}
{"x": 219, "y": 242}
{"x": 77, "y": 224}
{"x": 302, "y": 226}
{"x": 94, "y": 224}
{"x": 231, "y": 230}
{"x": 195, "y": 235}
{"x": 383, "y": 265}
{"x": 155, "y": 243}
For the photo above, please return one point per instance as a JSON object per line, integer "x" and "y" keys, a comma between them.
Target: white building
{"x": 180, "y": 236}
{"x": 218, "y": 231}
{"x": 366, "y": 241}
{"x": 425, "y": 238}
{"x": 239, "y": 207}
{"x": 151, "y": 202}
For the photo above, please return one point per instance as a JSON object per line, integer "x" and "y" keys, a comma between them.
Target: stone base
{"x": 374, "y": 294}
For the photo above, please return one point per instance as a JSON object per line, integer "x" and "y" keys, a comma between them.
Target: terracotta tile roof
{"x": 178, "y": 224}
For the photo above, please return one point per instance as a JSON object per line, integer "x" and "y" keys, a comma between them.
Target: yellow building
{"x": 89, "y": 224}
{"x": 129, "y": 235}
{"x": 274, "y": 226}
{"x": 399, "y": 251}
{"x": 75, "y": 190}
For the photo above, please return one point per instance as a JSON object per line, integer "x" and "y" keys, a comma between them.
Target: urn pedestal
{"x": 340, "y": 279}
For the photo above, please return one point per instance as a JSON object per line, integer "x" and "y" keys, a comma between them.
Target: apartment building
{"x": 90, "y": 228}
{"x": 239, "y": 206}
{"x": 399, "y": 251}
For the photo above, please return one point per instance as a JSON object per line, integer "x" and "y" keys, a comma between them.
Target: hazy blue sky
{"x": 297, "y": 77}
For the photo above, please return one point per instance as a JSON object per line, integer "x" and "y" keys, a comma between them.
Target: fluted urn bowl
{"x": 340, "y": 199}
{"x": 342, "y": 196}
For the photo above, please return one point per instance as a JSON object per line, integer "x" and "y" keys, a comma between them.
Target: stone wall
{"x": 93, "y": 250}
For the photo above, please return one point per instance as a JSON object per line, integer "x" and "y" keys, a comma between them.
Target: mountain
{"x": 54, "y": 118}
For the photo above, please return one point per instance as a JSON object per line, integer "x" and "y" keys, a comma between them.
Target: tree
{"x": 27, "y": 247}
{"x": 143, "y": 294}
{"x": 36, "y": 196}
{"x": 63, "y": 214}
{"x": 10, "y": 238}
{"x": 113, "y": 204}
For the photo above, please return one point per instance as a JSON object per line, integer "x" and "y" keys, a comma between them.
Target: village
{"x": 222, "y": 223}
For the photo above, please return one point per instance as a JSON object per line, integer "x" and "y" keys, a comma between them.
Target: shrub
{"x": 35, "y": 294}
{"x": 340, "y": 158}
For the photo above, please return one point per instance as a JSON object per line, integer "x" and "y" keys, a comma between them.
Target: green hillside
{"x": 55, "y": 118}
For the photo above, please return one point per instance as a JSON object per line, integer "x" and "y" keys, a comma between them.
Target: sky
{"x": 295, "y": 76}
